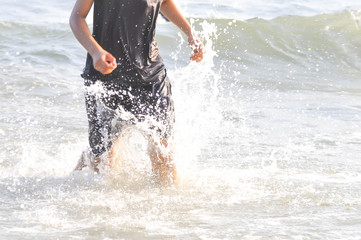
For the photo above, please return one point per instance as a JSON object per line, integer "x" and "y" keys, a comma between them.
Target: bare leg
{"x": 162, "y": 162}
{"x": 161, "y": 158}
{"x": 115, "y": 154}
{"x": 81, "y": 163}
{"x": 113, "y": 157}
{"x": 85, "y": 159}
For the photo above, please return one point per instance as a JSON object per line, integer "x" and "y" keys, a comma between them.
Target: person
{"x": 123, "y": 57}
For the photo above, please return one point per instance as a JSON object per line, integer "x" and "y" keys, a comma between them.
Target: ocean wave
{"x": 323, "y": 42}
{"x": 325, "y": 45}
{"x": 243, "y": 9}
{"x": 290, "y": 37}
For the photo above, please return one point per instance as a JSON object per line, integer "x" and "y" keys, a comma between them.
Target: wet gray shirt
{"x": 126, "y": 29}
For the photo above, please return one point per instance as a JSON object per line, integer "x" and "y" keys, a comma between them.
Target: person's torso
{"x": 126, "y": 29}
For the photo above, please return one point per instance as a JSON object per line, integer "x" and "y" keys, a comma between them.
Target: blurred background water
{"x": 267, "y": 136}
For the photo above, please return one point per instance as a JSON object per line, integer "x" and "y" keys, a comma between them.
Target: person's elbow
{"x": 74, "y": 20}
{"x": 165, "y": 2}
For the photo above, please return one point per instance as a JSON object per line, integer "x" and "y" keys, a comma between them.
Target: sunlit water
{"x": 267, "y": 133}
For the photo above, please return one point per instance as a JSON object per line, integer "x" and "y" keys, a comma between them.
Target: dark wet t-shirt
{"x": 126, "y": 29}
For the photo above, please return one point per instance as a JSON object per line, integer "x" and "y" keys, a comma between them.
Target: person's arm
{"x": 171, "y": 11}
{"x": 103, "y": 61}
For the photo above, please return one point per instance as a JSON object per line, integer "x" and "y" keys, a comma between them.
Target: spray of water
{"x": 197, "y": 109}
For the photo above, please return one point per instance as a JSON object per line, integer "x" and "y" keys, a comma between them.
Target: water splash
{"x": 195, "y": 91}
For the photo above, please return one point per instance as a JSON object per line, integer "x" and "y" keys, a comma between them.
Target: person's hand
{"x": 104, "y": 62}
{"x": 197, "y": 48}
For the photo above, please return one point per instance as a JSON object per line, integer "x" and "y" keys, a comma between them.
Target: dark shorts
{"x": 111, "y": 107}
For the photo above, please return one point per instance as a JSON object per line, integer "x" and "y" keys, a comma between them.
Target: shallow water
{"x": 267, "y": 133}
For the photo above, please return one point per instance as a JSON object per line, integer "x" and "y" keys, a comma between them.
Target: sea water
{"x": 267, "y": 132}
